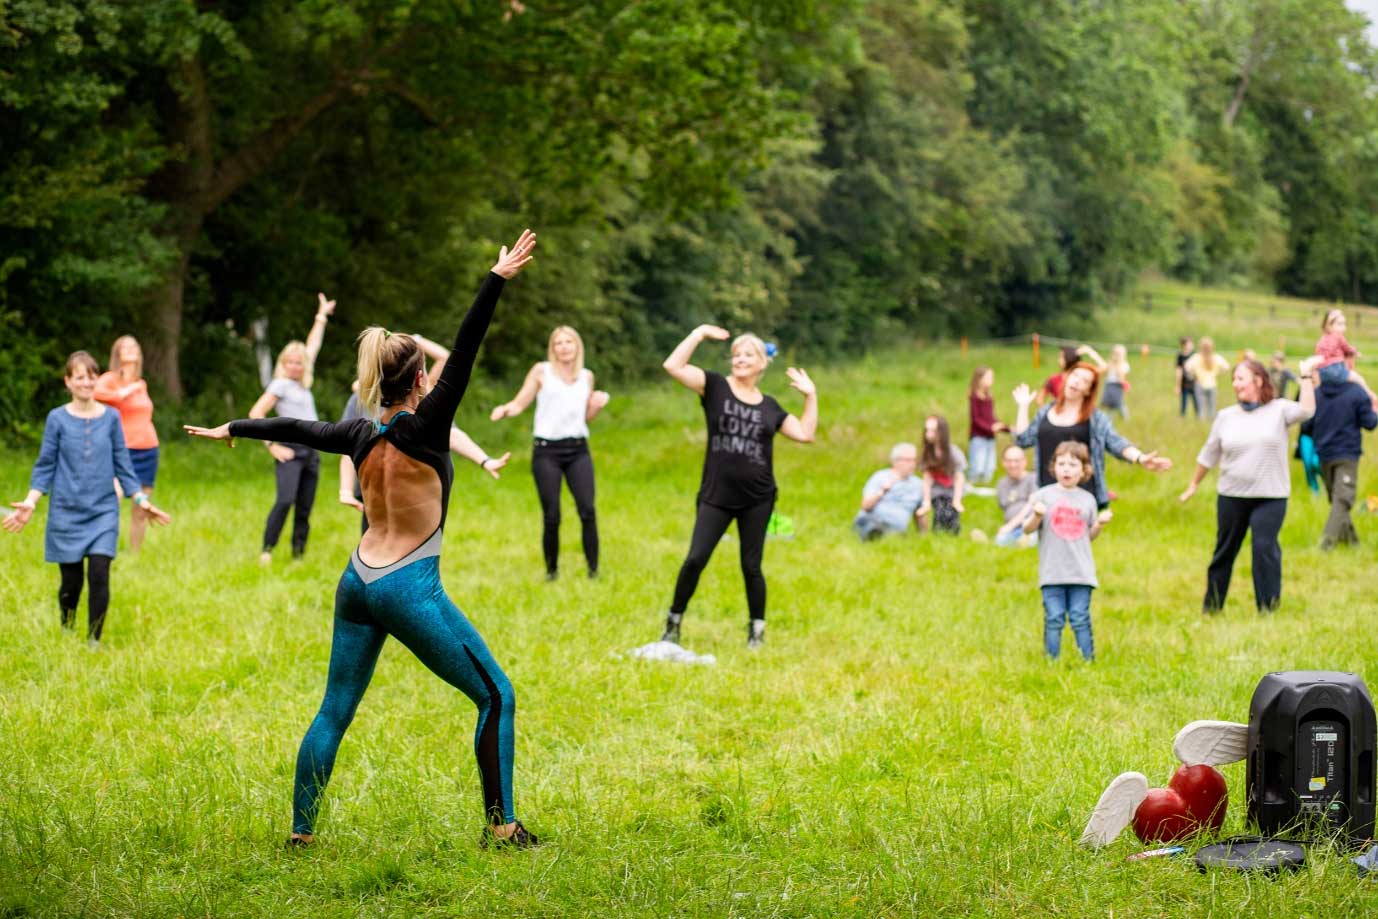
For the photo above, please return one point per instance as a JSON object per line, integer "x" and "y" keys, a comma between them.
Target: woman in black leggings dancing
{"x": 738, "y": 468}
{"x": 565, "y": 404}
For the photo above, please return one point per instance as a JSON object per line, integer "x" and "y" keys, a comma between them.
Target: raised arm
{"x": 316, "y": 336}
{"x": 438, "y": 408}
{"x": 598, "y": 400}
{"x": 330, "y": 436}
{"x": 530, "y": 386}
{"x": 1089, "y": 353}
{"x": 438, "y": 355}
{"x": 1023, "y": 396}
{"x": 677, "y": 364}
{"x": 804, "y": 428}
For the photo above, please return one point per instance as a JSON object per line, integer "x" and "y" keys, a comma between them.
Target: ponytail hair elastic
{"x": 771, "y": 350}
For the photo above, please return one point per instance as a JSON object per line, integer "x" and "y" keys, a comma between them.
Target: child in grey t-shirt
{"x": 1066, "y": 520}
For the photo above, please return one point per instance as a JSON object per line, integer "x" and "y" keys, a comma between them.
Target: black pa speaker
{"x": 1311, "y": 746}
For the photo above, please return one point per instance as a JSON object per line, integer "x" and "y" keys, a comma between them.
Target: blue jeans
{"x": 981, "y": 459}
{"x": 1063, "y": 603}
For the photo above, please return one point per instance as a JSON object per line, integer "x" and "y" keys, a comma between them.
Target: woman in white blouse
{"x": 1249, "y": 442}
{"x": 565, "y": 404}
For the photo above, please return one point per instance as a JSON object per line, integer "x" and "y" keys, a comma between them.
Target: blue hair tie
{"x": 771, "y": 350}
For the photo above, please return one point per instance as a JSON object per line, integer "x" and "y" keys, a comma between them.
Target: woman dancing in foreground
{"x": 391, "y": 585}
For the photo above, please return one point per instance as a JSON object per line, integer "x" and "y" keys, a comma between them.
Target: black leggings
{"x": 709, "y": 527}
{"x": 97, "y": 601}
{"x": 297, "y": 479}
{"x": 569, "y": 459}
{"x": 1236, "y": 517}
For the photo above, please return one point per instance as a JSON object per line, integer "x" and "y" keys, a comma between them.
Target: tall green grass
{"x": 900, "y": 746}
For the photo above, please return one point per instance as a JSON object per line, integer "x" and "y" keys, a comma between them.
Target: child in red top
{"x": 944, "y": 478}
{"x": 984, "y": 426}
{"x": 1335, "y": 355}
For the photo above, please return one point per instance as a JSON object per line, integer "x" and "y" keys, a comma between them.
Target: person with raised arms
{"x": 297, "y": 467}
{"x": 1074, "y": 416}
{"x": 83, "y": 454}
{"x": 391, "y": 585}
{"x": 738, "y": 481}
{"x": 124, "y": 389}
{"x": 566, "y": 401}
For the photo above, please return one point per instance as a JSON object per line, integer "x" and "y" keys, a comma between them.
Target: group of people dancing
{"x": 397, "y": 436}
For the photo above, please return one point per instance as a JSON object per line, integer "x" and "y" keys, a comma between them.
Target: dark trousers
{"x": 1342, "y": 486}
{"x": 709, "y": 527}
{"x": 97, "y": 601}
{"x": 1236, "y": 517}
{"x": 297, "y": 479}
{"x": 570, "y": 460}
{"x": 1188, "y": 396}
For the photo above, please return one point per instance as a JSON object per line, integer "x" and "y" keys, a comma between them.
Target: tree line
{"x": 830, "y": 173}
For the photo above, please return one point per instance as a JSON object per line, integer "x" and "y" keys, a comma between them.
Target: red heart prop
{"x": 1162, "y": 817}
{"x": 1203, "y": 789}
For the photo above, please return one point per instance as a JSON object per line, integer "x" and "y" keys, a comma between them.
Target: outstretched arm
{"x": 802, "y": 429}
{"x": 330, "y": 436}
{"x": 316, "y": 336}
{"x": 464, "y": 445}
{"x": 677, "y": 364}
{"x": 438, "y": 408}
{"x": 522, "y": 399}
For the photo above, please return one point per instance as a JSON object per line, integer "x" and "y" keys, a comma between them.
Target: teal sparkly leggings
{"x": 406, "y": 600}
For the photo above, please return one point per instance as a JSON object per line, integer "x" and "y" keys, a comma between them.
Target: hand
{"x": 1105, "y": 516}
{"x": 892, "y": 481}
{"x": 14, "y": 522}
{"x": 599, "y": 399}
{"x": 1083, "y": 349}
{"x": 509, "y": 264}
{"x": 281, "y": 453}
{"x": 220, "y": 433}
{"x": 1153, "y": 462}
{"x": 1023, "y": 395}
{"x": 498, "y": 413}
{"x": 713, "y": 331}
{"x": 958, "y": 506}
{"x": 1306, "y": 365}
{"x": 1039, "y": 509}
{"x": 347, "y": 497}
{"x": 162, "y": 518}
{"x": 1185, "y": 496}
{"x": 495, "y": 463}
{"x": 800, "y": 381}
{"x": 923, "y": 510}
{"x": 1000, "y": 427}
{"x": 324, "y": 307}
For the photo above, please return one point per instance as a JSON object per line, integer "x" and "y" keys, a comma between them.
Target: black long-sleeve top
{"x": 425, "y": 435}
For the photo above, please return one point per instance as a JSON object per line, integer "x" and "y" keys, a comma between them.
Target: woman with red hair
{"x": 1074, "y": 416}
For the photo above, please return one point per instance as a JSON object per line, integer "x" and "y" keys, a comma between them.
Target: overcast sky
{"x": 1369, "y": 7}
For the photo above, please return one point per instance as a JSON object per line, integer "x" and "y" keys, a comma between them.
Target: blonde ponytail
{"x": 388, "y": 365}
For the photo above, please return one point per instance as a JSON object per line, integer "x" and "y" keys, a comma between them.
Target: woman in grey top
{"x": 298, "y": 468}
{"x": 1249, "y": 443}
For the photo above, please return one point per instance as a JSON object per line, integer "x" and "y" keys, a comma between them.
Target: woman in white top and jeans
{"x": 1249, "y": 443}
{"x": 565, "y": 403}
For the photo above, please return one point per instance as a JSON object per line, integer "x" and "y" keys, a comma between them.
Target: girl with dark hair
{"x": 1074, "y": 416}
{"x": 566, "y": 401}
{"x": 83, "y": 453}
{"x": 391, "y": 585}
{"x": 984, "y": 426}
{"x": 944, "y": 478}
{"x": 1249, "y": 442}
{"x": 738, "y": 480}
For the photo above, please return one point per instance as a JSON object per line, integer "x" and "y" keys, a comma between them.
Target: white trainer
{"x": 1115, "y": 809}
{"x": 1214, "y": 743}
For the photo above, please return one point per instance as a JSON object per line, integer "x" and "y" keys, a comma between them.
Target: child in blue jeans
{"x": 1064, "y": 515}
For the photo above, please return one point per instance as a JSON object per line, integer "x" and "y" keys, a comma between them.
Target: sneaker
{"x": 551, "y": 575}
{"x": 672, "y": 622}
{"x": 521, "y": 838}
{"x": 1115, "y": 809}
{"x": 69, "y": 620}
{"x": 1214, "y": 743}
{"x": 979, "y": 536}
{"x": 756, "y": 634}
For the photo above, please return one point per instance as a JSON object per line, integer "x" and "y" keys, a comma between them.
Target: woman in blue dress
{"x": 83, "y": 453}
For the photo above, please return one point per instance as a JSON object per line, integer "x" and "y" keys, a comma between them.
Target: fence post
{"x": 1148, "y": 302}
{"x": 1186, "y": 305}
{"x": 1231, "y": 308}
{"x": 1035, "y": 350}
{"x": 964, "y": 346}
{"x": 1272, "y": 311}
{"x": 1143, "y": 350}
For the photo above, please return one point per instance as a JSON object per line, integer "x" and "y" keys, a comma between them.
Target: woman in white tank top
{"x": 565, "y": 404}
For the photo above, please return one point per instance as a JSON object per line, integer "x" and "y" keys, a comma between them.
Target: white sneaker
{"x": 1115, "y": 809}
{"x": 1214, "y": 743}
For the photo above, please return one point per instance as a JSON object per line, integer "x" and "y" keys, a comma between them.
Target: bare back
{"x": 402, "y": 499}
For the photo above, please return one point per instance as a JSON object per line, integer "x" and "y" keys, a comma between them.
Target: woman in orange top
{"x": 123, "y": 388}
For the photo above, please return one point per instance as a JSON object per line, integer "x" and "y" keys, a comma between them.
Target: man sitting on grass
{"x": 1012, "y": 491}
{"x": 891, "y": 496}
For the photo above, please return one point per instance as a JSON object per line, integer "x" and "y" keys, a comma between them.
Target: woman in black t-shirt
{"x": 738, "y": 466}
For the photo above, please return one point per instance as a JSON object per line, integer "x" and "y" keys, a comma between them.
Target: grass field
{"x": 900, "y": 747}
